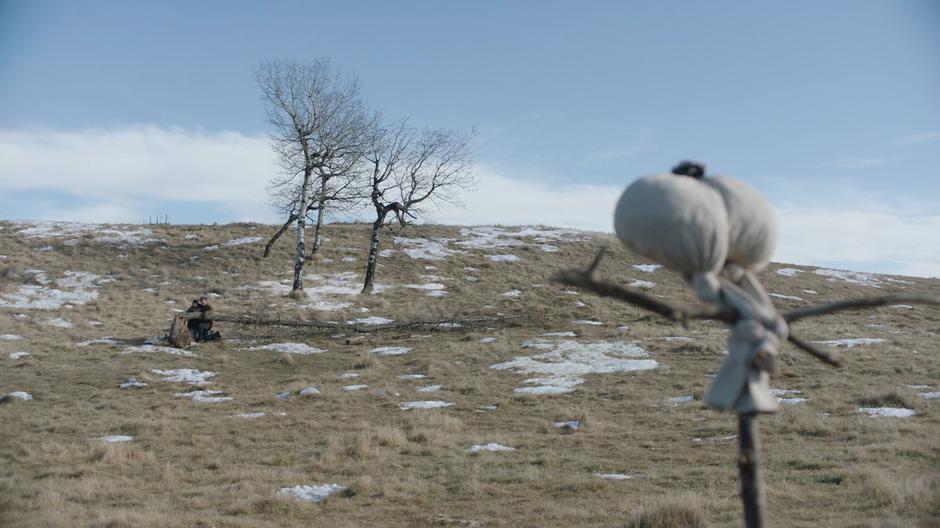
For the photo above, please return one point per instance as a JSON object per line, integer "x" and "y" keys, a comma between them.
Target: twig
{"x": 752, "y": 492}
{"x": 827, "y": 357}
{"x": 865, "y": 302}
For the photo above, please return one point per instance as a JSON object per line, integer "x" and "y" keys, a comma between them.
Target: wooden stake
{"x": 752, "y": 486}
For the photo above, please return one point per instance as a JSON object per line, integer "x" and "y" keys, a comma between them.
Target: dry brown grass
{"x": 202, "y": 465}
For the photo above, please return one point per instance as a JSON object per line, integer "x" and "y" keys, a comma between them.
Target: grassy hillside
{"x": 84, "y": 302}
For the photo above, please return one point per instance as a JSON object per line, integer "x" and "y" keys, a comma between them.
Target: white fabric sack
{"x": 676, "y": 221}
{"x": 753, "y": 229}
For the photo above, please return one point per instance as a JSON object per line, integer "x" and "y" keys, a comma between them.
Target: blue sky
{"x": 830, "y": 108}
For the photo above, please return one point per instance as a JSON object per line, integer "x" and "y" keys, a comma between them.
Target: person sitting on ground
{"x": 201, "y": 327}
{"x": 193, "y": 324}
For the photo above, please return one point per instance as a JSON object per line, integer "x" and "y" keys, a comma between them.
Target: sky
{"x": 117, "y": 111}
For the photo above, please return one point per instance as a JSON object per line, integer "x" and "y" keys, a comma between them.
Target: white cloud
{"x": 116, "y": 169}
{"x": 923, "y": 137}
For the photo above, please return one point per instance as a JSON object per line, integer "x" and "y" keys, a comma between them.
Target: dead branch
{"x": 851, "y": 304}
{"x": 587, "y": 280}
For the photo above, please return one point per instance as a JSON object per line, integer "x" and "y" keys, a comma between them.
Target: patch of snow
{"x": 790, "y": 401}
{"x": 470, "y": 269}
{"x": 851, "y": 342}
{"x": 787, "y": 297}
{"x": 20, "y": 395}
{"x": 613, "y": 476}
{"x": 290, "y": 348}
{"x": 487, "y": 340}
{"x": 242, "y": 241}
{"x": 811, "y": 292}
{"x": 902, "y": 306}
{"x": 587, "y": 322}
{"x": 149, "y": 349}
{"x": 563, "y": 365}
{"x": 503, "y": 258}
{"x": 77, "y": 287}
{"x": 429, "y": 388}
{"x": 115, "y": 438}
{"x": 103, "y": 341}
{"x": 353, "y": 388}
{"x": 252, "y": 415}
{"x": 646, "y": 268}
{"x": 17, "y": 355}
{"x": 191, "y": 376}
{"x": 676, "y": 400}
{"x": 58, "y": 322}
{"x": 491, "y": 447}
{"x": 789, "y": 272}
{"x": 930, "y": 395}
{"x": 431, "y": 404}
{"x": 371, "y": 320}
{"x": 309, "y": 391}
{"x": 312, "y": 493}
{"x": 642, "y": 284}
{"x": 891, "y": 412}
{"x": 348, "y": 259}
{"x": 560, "y": 334}
{"x": 512, "y": 293}
{"x": 412, "y": 376}
{"x": 450, "y": 325}
{"x": 426, "y": 286}
{"x": 108, "y": 235}
{"x": 200, "y": 396}
{"x": 348, "y": 375}
{"x": 579, "y": 304}
{"x": 390, "y": 351}
{"x": 387, "y": 253}
{"x": 853, "y": 277}
{"x": 10, "y": 337}
{"x": 685, "y": 339}
{"x": 571, "y": 425}
{"x": 421, "y": 248}
{"x": 132, "y": 383}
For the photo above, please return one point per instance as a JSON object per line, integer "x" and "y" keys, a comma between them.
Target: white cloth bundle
{"x": 676, "y": 221}
{"x": 751, "y": 223}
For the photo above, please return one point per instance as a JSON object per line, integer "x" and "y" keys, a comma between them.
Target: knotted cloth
{"x": 717, "y": 232}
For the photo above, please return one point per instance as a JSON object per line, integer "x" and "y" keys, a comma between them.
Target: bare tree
{"x": 409, "y": 170}
{"x": 318, "y": 122}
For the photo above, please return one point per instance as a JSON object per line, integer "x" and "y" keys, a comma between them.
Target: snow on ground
{"x": 309, "y": 391}
{"x": 200, "y": 396}
{"x": 788, "y": 272}
{"x": 613, "y": 476}
{"x": 17, "y": 355}
{"x": 811, "y": 292}
{"x": 412, "y": 376}
{"x": 430, "y": 404}
{"x": 252, "y": 415}
{"x": 20, "y": 395}
{"x": 487, "y": 340}
{"x": 149, "y": 349}
{"x": 429, "y": 388}
{"x": 348, "y": 375}
{"x": 856, "y": 277}
{"x": 684, "y": 339}
{"x": 503, "y": 258}
{"x": 103, "y": 341}
{"x": 890, "y": 412}
{"x": 491, "y": 237}
{"x": 315, "y": 493}
{"x": 390, "y": 351}
{"x": 191, "y": 376}
{"x": 851, "y": 342}
{"x": 646, "y": 268}
{"x": 930, "y": 395}
{"x": 58, "y": 322}
{"x": 787, "y": 297}
{"x": 290, "y": 348}
{"x": 132, "y": 383}
{"x": 512, "y": 294}
{"x": 426, "y": 249}
{"x": 901, "y": 306}
{"x": 10, "y": 337}
{"x": 642, "y": 284}
{"x": 100, "y": 233}
{"x": 676, "y": 400}
{"x": 571, "y": 425}
{"x": 433, "y": 289}
{"x": 242, "y": 241}
{"x": 77, "y": 287}
{"x": 562, "y": 367}
{"x": 115, "y": 438}
{"x": 371, "y": 320}
{"x": 780, "y": 393}
{"x": 353, "y": 388}
{"x": 560, "y": 334}
{"x": 492, "y": 447}
{"x": 587, "y": 322}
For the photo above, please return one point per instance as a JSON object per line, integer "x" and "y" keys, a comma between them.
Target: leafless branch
{"x": 852, "y": 304}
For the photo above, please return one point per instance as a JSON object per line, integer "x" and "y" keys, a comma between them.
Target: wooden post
{"x": 752, "y": 486}
{"x": 179, "y": 331}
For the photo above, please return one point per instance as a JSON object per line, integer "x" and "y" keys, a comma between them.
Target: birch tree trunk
{"x": 298, "y": 286}
{"x": 373, "y": 253}
{"x": 320, "y": 212}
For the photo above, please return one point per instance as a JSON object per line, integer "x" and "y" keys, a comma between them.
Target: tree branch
{"x": 851, "y": 304}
